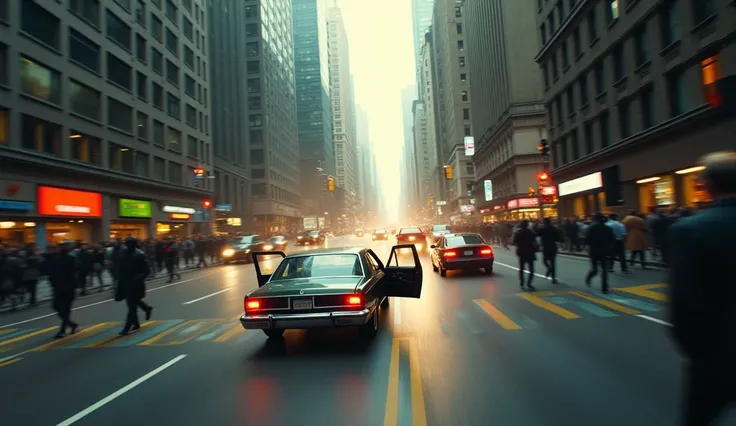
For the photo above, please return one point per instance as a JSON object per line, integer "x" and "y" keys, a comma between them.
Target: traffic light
{"x": 330, "y": 183}
{"x": 206, "y": 204}
{"x": 448, "y": 172}
{"x": 542, "y": 177}
{"x": 199, "y": 173}
{"x": 543, "y": 147}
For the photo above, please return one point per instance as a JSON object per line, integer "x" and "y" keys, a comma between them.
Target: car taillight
{"x": 450, "y": 253}
{"x": 252, "y": 305}
{"x": 486, "y": 251}
{"x": 412, "y": 238}
{"x": 355, "y": 301}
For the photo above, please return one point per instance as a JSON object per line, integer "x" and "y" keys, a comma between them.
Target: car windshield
{"x": 440, "y": 228}
{"x": 241, "y": 240}
{"x": 276, "y": 239}
{"x": 318, "y": 266}
{"x": 380, "y": 231}
{"x": 313, "y": 233}
{"x": 464, "y": 240}
{"x": 410, "y": 231}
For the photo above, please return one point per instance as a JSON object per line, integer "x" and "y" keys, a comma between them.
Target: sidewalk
{"x": 650, "y": 260}
{"x": 45, "y": 292}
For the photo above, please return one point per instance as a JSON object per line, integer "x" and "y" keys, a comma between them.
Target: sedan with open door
{"x": 461, "y": 252}
{"x": 328, "y": 288}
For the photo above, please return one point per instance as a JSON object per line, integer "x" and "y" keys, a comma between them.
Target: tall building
{"x": 314, "y": 110}
{"x": 343, "y": 103}
{"x": 627, "y": 92}
{"x": 452, "y": 102}
{"x": 421, "y": 16}
{"x": 436, "y": 162}
{"x": 409, "y": 190}
{"x": 420, "y": 130}
{"x": 365, "y": 155}
{"x": 274, "y": 147}
{"x": 230, "y": 132}
{"x": 104, "y": 116}
{"x": 508, "y": 119}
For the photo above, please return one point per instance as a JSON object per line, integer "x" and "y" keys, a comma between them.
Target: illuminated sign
{"x": 469, "y": 143}
{"x": 68, "y": 202}
{"x": 497, "y": 207}
{"x": 177, "y": 209}
{"x": 180, "y": 216}
{"x": 488, "y": 189}
{"x": 528, "y": 202}
{"x": 512, "y": 204}
{"x": 581, "y": 184}
{"x": 549, "y": 190}
{"x": 135, "y": 208}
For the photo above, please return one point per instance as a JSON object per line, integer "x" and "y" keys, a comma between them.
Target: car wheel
{"x": 443, "y": 272}
{"x": 369, "y": 330}
{"x": 488, "y": 271}
{"x": 385, "y": 303}
{"x": 274, "y": 334}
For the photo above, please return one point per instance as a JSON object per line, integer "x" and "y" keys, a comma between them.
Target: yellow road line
{"x": 418, "y": 408}
{"x": 160, "y": 336}
{"x": 12, "y": 361}
{"x": 83, "y": 332}
{"x": 497, "y": 315}
{"x": 391, "y": 417}
{"x": 117, "y": 338}
{"x": 646, "y": 291}
{"x": 28, "y": 336}
{"x": 230, "y": 334}
{"x": 7, "y": 330}
{"x": 607, "y": 303}
{"x": 536, "y": 300}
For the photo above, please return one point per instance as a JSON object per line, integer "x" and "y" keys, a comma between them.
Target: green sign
{"x": 135, "y": 208}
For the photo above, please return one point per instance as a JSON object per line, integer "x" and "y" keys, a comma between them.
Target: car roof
{"x": 335, "y": 250}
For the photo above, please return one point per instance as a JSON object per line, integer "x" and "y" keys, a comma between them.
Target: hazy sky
{"x": 382, "y": 63}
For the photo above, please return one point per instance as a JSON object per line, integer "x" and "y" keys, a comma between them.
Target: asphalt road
{"x": 474, "y": 350}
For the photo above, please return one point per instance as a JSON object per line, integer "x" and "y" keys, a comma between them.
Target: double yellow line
{"x": 418, "y": 409}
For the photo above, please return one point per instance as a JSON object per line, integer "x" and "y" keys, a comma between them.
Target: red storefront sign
{"x": 512, "y": 204}
{"x": 68, "y": 202}
{"x": 528, "y": 202}
{"x": 549, "y": 191}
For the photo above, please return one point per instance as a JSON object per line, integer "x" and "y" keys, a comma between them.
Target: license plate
{"x": 468, "y": 252}
{"x": 302, "y": 304}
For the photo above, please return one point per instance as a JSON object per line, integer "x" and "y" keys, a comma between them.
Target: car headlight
{"x": 269, "y": 247}
{"x": 299, "y": 238}
{"x": 228, "y": 252}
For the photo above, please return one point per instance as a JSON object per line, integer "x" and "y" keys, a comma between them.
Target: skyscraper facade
{"x": 409, "y": 190}
{"x": 365, "y": 154}
{"x": 274, "y": 147}
{"x": 420, "y": 132}
{"x": 343, "y": 104}
{"x": 436, "y": 162}
{"x": 314, "y": 110}
{"x": 421, "y": 14}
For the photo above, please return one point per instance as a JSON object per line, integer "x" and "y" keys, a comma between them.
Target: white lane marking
{"x": 104, "y": 301}
{"x": 516, "y": 269}
{"x": 657, "y": 320}
{"x": 397, "y": 310}
{"x": 207, "y": 297}
{"x": 99, "y": 404}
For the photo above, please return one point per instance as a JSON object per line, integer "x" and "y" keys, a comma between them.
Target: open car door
{"x": 264, "y": 274}
{"x": 405, "y": 280}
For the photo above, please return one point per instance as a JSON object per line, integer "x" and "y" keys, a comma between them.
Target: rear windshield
{"x": 380, "y": 231}
{"x": 317, "y": 266}
{"x": 410, "y": 231}
{"x": 242, "y": 240}
{"x": 464, "y": 240}
{"x": 438, "y": 228}
{"x": 314, "y": 234}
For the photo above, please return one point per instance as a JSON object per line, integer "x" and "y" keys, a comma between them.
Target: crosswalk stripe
{"x": 544, "y": 304}
{"x": 91, "y": 341}
{"x": 646, "y": 291}
{"x": 17, "y": 333}
{"x": 189, "y": 333}
{"x": 214, "y": 333}
{"x": 236, "y": 330}
{"x": 498, "y": 316}
{"x": 586, "y": 306}
{"x": 7, "y": 330}
{"x": 157, "y": 333}
{"x": 12, "y": 361}
{"x": 636, "y": 304}
{"x": 607, "y": 303}
{"x": 77, "y": 335}
{"x": 27, "y": 336}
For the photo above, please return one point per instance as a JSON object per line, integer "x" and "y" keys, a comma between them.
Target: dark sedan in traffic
{"x": 310, "y": 238}
{"x": 461, "y": 252}
{"x": 238, "y": 249}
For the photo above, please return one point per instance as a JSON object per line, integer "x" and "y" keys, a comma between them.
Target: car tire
{"x": 369, "y": 330}
{"x": 385, "y": 303}
{"x": 488, "y": 271}
{"x": 443, "y": 272}
{"x": 274, "y": 333}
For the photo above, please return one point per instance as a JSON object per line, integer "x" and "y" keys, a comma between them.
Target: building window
{"x": 118, "y": 31}
{"x": 624, "y": 117}
{"x": 4, "y": 126}
{"x": 564, "y": 56}
{"x": 460, "y": 45}
{"x": 459, "y": 28}
{"x": 676, "y": 94}
{"x": 617, "y": 54}
{"x": 467, "y": 130}
{"x": 158, "y": 134}
{"x": 173, "y": 106}
{"x": 125, "y": 4}
{"x": 171, "y": 12}
{"x": 592, "y": 26}
{"x": 553, "y": 65}
{"x": 40, "y": 136}
{"x": 588, "y": 135}
{"x": 85, "y": 101}
{"x": 188, "y": 29}
{"x": 141, "y": 164}
{"x": 119, "y": 72}
{"x": 251, "y": 11}
{"x": 159, "y": 168}
{"x": 570, "y": 101}
{"x": 173, "y": 137}
{"x": 251, "y": 48}
{"x": 140, "y": 13}
{"x": 189, "y": 57}
{"x": 191, "y": 116}
{"x": 604, "y": 120}
{"x": 119, "y": 115}
{"x": 251, "y": 30}
{"x": 613, "y": 11}
{"x": 140, "y": 48}
{"x": 702, "y": 10}
{"x": 158, "y": 95}
{"x": 710, "y": 70}
{"x": 142, "y": 86}
{"x": 40, "y": 24}
{"x": 172, "y": 73}
{"x": 458, "y": 12}
{"x": 466, "y": 113}
{"x": 464, "y": 95}
{"x": 157, "y": 28}
{"x": 85, "y": 148}
{"x": 670, "y": 24}
{"x": 84, "y": 51}
{"x": 258, "y": 174}
{"x": 254, "y": 67}
{"x": 461, "y": 61}
{"x": 40, "y": 82}
{"x": 190, "y": 86}
{"x": 157, "y": 61}
{"x": 172, "y": 42}
{"x": 87, "y": 10}
{"x": 254, "y": 85}
{"x": 599, "y": 76}
{"x": 463, "y": 78}
{"x": 575, "y": 144}
{"x": 175, "y": 173}
{"x": 121, "y": 158}
{"x": 576, "y": 47}
{"x": 647, "y": 108}
{"x": 641, "y": 45}
{"x": 256, "y": 156}
{"x": 192, "y": 147}
{"x": 142, "y": 125}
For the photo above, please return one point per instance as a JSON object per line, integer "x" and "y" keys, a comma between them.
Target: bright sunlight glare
{"x": 382, "y": 63}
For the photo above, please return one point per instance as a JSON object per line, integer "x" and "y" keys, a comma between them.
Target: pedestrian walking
{"x": 550, "y": 236}
{"x": 132, "y": 284}
{"x": 600, "y": 240}
{"x": 526, "y": 250}
{"x": 63, "y": 276}
{"x": 703, "y": 295}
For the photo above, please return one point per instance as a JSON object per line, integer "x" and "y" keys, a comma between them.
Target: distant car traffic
{"x": 380, "y": 234}
{"x": 359, "y": 232}
{"x": 238, "y": 249}
{"x": 310, "y": 238}
{"x": 440, "y": 230}
{"x": 461, "y": 252}
{"x": 328, "y": 288}
{"x": 276, "y": 243}
{"x": 412, "y": 235}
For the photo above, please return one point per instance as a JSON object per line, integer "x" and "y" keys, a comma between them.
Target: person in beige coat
{"x": 636, "y": 237}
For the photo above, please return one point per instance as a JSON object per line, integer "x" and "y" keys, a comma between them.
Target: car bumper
{"x": 304, "y": 321}
{"x": 238, "y": 256}
{"x": 455, "y": 265}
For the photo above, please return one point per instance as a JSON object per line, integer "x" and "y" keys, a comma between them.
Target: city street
{"x": 474, "y": 350}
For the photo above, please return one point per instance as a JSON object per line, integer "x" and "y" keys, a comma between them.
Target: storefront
{"x": 519, "y": 209}
{"x": 67, "y": 214}
{"x": 676, "y": 188}
{"x": 582, "y": 196}
{"x": 17, "y": 212}
{"x": 225, "y": 222}
{"x": 181, "y": 220}
{"x": 133, "y": 219}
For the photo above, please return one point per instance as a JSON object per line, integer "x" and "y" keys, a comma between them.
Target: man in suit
{"x": 703, "y": 294}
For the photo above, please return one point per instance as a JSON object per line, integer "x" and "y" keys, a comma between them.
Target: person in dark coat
{"x": 132, "y": 284}
{"x": 63, "y": 278}
{"x": 600, "y": 240}
{"x": 703, "y": 295}
{"x": 550, "y": 236}
{"x": 526, "y": 250}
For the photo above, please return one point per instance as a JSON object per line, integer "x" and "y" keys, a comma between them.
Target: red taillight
{"x": 486, "y": 251}
{"x": 252, "y": 305}
{"x": 355, "y": 300}
{"x": 450, "y": 253}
